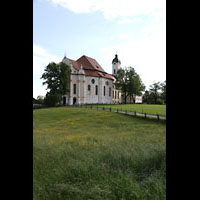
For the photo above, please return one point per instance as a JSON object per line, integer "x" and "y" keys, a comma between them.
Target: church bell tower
{"x": 115, "y": 65}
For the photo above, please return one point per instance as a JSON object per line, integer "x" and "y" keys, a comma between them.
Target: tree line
{"x": 156, "y": 94}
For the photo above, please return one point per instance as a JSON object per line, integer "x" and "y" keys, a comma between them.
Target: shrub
{"x": 52, "y": 99}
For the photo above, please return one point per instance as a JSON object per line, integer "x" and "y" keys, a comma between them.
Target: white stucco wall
{"x": 91, "y": 96}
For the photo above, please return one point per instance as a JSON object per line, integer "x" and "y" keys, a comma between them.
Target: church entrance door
{"x": 74, "y": 100}
{"x": 64, "y": 100}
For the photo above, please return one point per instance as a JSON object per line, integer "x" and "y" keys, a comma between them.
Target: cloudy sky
{"x": 135, "y": 29}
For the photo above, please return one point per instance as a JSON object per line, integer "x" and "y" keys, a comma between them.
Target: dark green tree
{"x": 64, "y": 77}
{"x": 129, "y": 82}
{"x": 135, "y": 84}
{"x": 155, "y": 92}
{"x": 122, "y": 82}
{"x": 163, "y": 91}
{"x": 57, "y": 79}
{"x": 51, "y": 99}
{"x": 146, "y": 97}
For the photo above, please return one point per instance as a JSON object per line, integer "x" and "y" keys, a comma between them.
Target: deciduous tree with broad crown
{"x": 129, "y": 82}
{"x": 57, "y": 79}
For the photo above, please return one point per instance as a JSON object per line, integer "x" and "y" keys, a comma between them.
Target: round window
{"x": 93, "y": 81}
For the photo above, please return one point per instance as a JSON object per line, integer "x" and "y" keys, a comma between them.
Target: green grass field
{"x": 141, "y": 108}
{"x": 86, "y": 154}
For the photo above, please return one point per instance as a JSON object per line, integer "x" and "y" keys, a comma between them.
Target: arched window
{"x": 104, "y": 90}
{"x": 114, "y": 71}
{"x": 96, "y": 89}
{"x": 109, "y": 91}
{"x": 74, "y": 88}
{"x": 89, "y": 87}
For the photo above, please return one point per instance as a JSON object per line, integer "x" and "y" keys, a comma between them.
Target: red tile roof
{"x": 89, "y": 63}
{"x": 91, "y": 67}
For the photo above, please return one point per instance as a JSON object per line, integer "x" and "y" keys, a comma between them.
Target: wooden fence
{"x": 127, "y": 112}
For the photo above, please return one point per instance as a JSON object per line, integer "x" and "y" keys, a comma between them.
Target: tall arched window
{"x": 89, "y": 87}
{"x": 74, "y": 88}
{"x": 109, "y": 91}
{"x": 104, "y": 90}
{"x": 96, "y": 89}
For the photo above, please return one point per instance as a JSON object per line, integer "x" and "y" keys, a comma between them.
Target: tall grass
{"x": 88, "y": 154}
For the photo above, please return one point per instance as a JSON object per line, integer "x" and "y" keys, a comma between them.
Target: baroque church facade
{"x": 90, "y": 84}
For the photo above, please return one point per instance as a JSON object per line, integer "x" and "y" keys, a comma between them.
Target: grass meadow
{"x": 83, "y": 154}
{"x": 141, "y": 108}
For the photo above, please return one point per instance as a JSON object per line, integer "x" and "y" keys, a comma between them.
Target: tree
{"x": 129, "y": 82}
{"x": 154, "y": 91}
{"x": 51, "y": 99}
{"x": 64, "y": 77}
{"x": 163, "y": 91}
{"x": 135, "y": 85}
{"x": 57, "y": 79}
{"x": 122, "y": 82}
{"x": 40, "y": 98}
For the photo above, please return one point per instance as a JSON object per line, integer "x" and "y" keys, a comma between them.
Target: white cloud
{"x": 129, "y": 20}
{"x": 147, "y": 54}
{"x": 122, "y": 36}
{"x": 41, "y": 58}
{"x": 114, "y": 8}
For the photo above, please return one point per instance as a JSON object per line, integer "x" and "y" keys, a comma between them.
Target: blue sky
{"x": 135, "y": 29}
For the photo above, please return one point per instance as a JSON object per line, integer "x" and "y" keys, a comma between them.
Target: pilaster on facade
{"x": 100, "y": 94}
{"x": 84, "y": 90}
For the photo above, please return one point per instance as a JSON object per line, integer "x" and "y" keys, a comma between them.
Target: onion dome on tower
{"x": 116, "y": 60}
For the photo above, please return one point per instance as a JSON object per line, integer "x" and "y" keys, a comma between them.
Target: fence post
{"x": 158, "y": 116}
{"x": 135, "y": 113}
{"x": 103, "y": 107}
{"x": 126, "y": 111}
{"x": 117, "y": 109}
{"x": 145, "y": 115}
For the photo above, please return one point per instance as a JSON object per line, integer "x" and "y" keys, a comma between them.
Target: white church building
{"x": 90, "y": 84}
